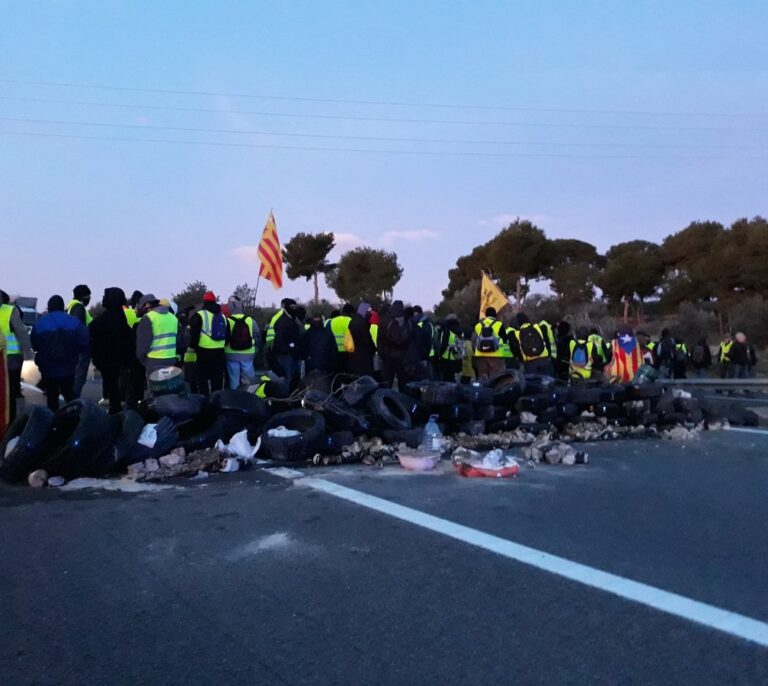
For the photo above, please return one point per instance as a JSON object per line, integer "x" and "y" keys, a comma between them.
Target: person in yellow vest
{"x": 208, "y": 337}
{"x": 188, "y": 353}
{"x": 157, "y": 335}
{"x": 602, "y": 351}
{"x": 487, "y": 339}
{"x": 17, "y": 345}
{"x": 242, "y": 344}
{"x": 724, "y": 354}
{"x": 338, "y": 325}
{"x": 78, "y": 308}
{"x": 582, "y": 356}
{"x": 4, "y": 398}
{"x": 451, "y": 349}
{"x": 531, "y": 345}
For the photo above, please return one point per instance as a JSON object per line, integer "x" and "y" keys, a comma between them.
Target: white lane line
{"x": 746, "y": 430}
{"x": 701, "y": 613}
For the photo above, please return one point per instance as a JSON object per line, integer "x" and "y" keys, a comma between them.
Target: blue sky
{"x": 604, "y": 121}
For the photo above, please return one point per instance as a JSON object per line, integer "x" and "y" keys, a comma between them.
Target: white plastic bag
{"x": 148, "y": 436}
{"x": 239, "y": 446}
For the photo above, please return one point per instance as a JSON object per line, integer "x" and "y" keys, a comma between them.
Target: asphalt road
{"x": 253, "y": 579}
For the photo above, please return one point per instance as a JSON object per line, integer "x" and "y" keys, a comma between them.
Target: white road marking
{"x": 710, "y": 616}
{"x": 29, "y": 387}
{"x": 746, "y": 430}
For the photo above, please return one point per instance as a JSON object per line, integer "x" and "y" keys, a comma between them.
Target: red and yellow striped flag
{"x": 270, "y": 254}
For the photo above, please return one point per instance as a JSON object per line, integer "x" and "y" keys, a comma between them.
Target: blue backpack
{"x": 218, "y": 327}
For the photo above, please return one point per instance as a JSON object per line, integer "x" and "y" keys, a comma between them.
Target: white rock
{"x": 38, "y": 478}
{"x": 171, "y": 460}
{"x": 151, "y": 465}
{"x": 136, "y": 468}
{"x": 56, "y": 481}
{"x": 179, "y": 451}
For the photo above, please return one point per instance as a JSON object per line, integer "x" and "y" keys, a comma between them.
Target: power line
{"x": 386, "y": 103}
{"x": 380, "y": 139}
{"x": 441, "y": 153}
{"x": 399, "y": 120}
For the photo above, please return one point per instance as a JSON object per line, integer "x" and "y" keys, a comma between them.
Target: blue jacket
{"x": 58, "y": 339}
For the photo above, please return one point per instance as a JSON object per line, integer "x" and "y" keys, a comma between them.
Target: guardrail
{"x": 751, "y": 383}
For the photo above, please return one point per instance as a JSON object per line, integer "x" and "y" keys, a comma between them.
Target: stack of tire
{"x": 80, "y": 439}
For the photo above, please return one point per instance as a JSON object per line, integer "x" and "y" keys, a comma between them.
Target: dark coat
{"x": 113, "y": 342}
{"x": 58, "y": 339}
{"x": 360, "y": 362}
{"x": 287, "y": 335}
{"x": 317, "y": 347}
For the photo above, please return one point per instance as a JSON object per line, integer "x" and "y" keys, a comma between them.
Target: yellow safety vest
{"x": 206, "y": 342}
{"x": 448, "y": 353}
{"x": 597, "y": 340}
{"x": 270, "y": 338}
{"x": 545, "y": 352}
{"x": 72, "y": 303}
{"x": 431, "y": 335}
{"x": 12, "y": 343}
{"x": 165, "y": 328}
{"x": 725, "y": 351}
{"x": 506, "y": 350}
{"x": 249, "y": 323}
{"x": 581, "y": 372}
{"x": 495, "y": 325}
{"x": 549, "y": 332}
{"x": 467, "y": 370}
{"x": 190, "y": 356}
{"x": 375, "y": 334}
{"x": 339, "y": 326}
{"x": 130, "y": 316}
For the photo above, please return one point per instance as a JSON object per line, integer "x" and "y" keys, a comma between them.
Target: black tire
{"x": 80, "y": 434}
{"x": 388, "y": 411}
{"x": 419, "y": 412}
{"x": 694, "y": 416}
{"x": 316, "y": 380}
{"x": 438, "y": 394}
{"x": 333, "y": 443}
{"x": 311, "y": 428}
{"x": 177, "y": 406}
{"x": 585, "y": 396}
{"x": 507, "y": 424}
{"x": 646, "y": 391}
{"x": 457, "y": 414}
{"x": 534, "y": 427}
{"x": 740, "y": 416}
{"x": 608, "y": 410}
{"x": 539, "y": 383}
{"x": 535, "y": 404}
{"x": 485, "y": 413}
{"x": 411, "y": 437}
{"x": 240, "y": 403}
{"x": 561, "y": 395}
{"x": 686, "y": 404}
{"x": 338, "y": 415}
{"x": 31, "y": 428}
{"x": 568, "y": 410}
{"x": 474, "y": 428}
{"x": 613, "y": 394}
{"x": 505, "y": 379}
{"x": 125, "y": 443}
{"x": 167, "y": 439}
{"x": 357, "y": 392}
{"x": 477, "y": 394}
{"x": 416, "y": 388}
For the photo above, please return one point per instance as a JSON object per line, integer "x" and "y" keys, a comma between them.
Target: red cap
{"x": 209, "y": 297}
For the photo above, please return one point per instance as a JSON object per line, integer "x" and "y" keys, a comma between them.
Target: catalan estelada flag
{"x": 627, "y": 357}
{"x": 271, "y": 254}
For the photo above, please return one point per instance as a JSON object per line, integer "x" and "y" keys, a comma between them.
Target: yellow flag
{"x": 491, "y": 296}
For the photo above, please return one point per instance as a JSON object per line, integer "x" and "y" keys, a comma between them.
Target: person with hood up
{"x": 242, "y": 344}
{"x": 112, "y": 345}
{"x": 78, "y": 308}
{"x": 738, "y": 366}
{"x": 59, "y": 341}
{"x": 358, "y": 343}
{"x": 157, "y": 335}
{"x": 17, "y": 344}
{"x": 563, "y": 338}
{"x": 317, "y": 347}
{"x": 397, "y": 347}
{"x": 208, "y": 333}
{"x": 285, "y": 345}
{"x": 451, "y": 349}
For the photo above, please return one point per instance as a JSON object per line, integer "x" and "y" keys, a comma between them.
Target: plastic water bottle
{"x": 432, "y": 439}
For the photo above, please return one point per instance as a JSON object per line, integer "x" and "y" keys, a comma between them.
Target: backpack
{"x": 218, "y": 327}
{"x": 487, "y": 340}
{"x": 531, "y": 342}
{"x": 580, "y": 356}
{"x": 680, "y": 355}
{"x": 399, "y": 332}
{"x": 240, "y": 338}
{"x": 699, "y": 354}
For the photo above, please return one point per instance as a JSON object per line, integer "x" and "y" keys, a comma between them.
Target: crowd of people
{"x": 216, "y": 345}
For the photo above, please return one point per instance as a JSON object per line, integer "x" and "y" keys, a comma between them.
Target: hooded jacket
{"x": 58, "y": 339}
{"x": 318, "y": 348}
{"x": 360, "y": 362}
{"x": 112, "y": 340}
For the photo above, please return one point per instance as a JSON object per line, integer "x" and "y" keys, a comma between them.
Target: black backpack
{"x": 487, "y": 340}
{"x": 531, "y": 342}
{"x": 699, "y": 354}
{"x": 399, "y": 332}
{"x": 240, "y": 338}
